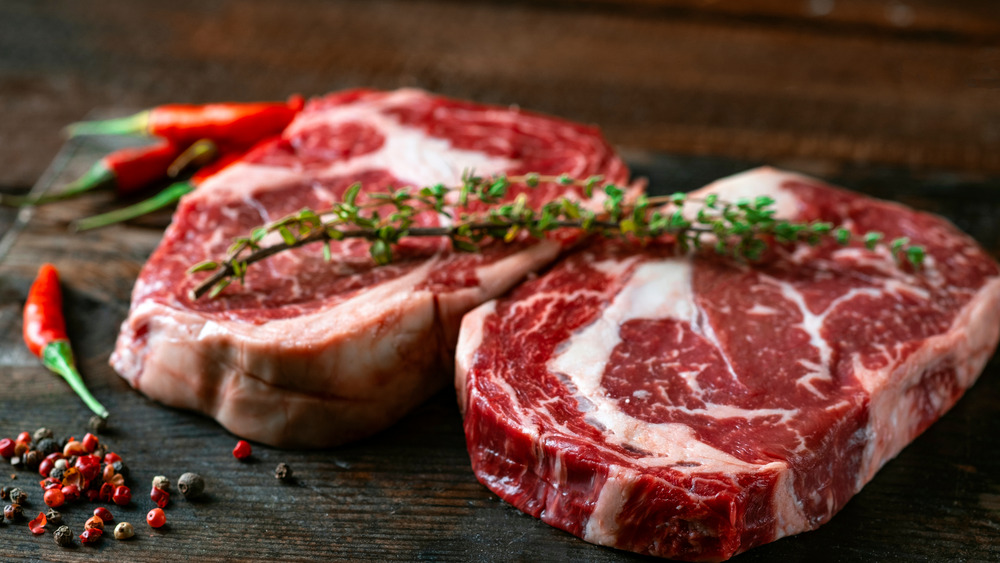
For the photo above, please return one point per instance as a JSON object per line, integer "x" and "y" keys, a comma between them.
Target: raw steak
{"x": 312, "y": 354}
{"x": 693, "y": 407}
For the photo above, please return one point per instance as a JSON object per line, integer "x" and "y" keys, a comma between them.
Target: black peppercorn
{"x": 53, "y": 516}
{"x": 17, "y": 496}
{"x": 13, "y": 512}
{"x": 57, "y": 473}
{"x": 63, "y": 536}
{"x": 41, "y": 434}
{"x": 32, "y": 458}
{"x": 48, "y": 446}
{"x": 121, "y": 468}
{"x": 191, "y": 485}
{"x": 96, "y": 424}
{"x": 283, "y": 472}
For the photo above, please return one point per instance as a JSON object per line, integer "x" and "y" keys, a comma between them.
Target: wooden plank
{"x": 752, "y": 80}
{"x": 408, "y": 493}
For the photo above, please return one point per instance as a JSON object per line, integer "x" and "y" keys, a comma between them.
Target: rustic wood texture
{"x": 900, "y": 99}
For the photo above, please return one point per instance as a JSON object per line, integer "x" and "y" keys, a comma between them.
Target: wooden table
{"x": 900, "y": 100}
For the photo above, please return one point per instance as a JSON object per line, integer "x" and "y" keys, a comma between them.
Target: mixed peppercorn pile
{"x": 76, "y": 471}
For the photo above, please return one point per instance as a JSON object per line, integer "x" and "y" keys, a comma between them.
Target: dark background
{"x": 900, "y": 99}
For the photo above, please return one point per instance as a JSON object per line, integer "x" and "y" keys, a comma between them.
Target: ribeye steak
{"x": 693, "y": 407}
{"x": 310, "y": 353}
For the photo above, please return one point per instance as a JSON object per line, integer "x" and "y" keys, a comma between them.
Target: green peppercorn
{"x": 63, "y": 536}
{"x": 53, "y": 516}
{"x": 17, "y": 496}
{"x": 13, "y": 512}
{"x": 41, "y": 434}
{"x": 283, "y": 472}
{"x": 191, "y": 485}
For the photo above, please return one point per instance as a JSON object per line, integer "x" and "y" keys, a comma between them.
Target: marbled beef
{"x": 310, "y": 353}
{"x": 692, "y": 407}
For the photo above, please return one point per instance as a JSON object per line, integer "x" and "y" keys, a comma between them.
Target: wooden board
{"x": 409, "y": 493}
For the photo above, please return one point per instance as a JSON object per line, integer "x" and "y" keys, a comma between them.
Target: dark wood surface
{"x": 897, "y": 99}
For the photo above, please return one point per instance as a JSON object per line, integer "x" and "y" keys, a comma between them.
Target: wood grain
{"x": 902, "y": 83}
{"x": 409, "y": 494}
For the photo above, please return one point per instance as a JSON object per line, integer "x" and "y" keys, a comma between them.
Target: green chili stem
{"x": 58, "y": 357}
{"x": 131, "y": 125}
{"x": 169, "y": 195}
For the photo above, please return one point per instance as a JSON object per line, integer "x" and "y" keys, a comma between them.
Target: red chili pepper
{"x": 169, "y": 195}
{"x": 45, "y": 333}
{"x": 241, "y": 124}
{"x": 127, "y": 170}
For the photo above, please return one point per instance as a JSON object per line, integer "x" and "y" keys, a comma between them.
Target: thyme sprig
{"x": 740, "y": 229}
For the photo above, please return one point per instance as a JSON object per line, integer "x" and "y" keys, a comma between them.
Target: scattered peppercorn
{"x": 124, "y": 531}
{"x": 5, "y": 493}
{"x": 161, "y": 482}
{"x": 24, "y": 437}
{"x": 160, "y": 497}
{"x": 242, "y": 450}
{"x": 156, "y": 518}
{"x": 94, "y": 522}
{"x": 283, "y": 472}
{"x": 97, "y": 424}
{"x": 104, "y": 514}
{"x": 13, "y": 512}
{"x": 21, "y": 447}
{"x": 191, "y": 485}
{"x": 7, "y": 448}
{"x": 63, "y": 536}
{"x": 54, "y": 497}
{"x": 32, "y": 458}
{"x": 54, "y": 517}
{"x": 90, "y": 442}
{"x": 121, "y": 468}
{"x": 90, "y": 537}
{"x": 17, "y": 496}
{"x": 122, "y": 495}
{"x": 61, "y": 463}
{"x": 42, "y": 433}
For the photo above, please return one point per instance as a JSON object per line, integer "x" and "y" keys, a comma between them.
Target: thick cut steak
{"x": 309, "y": 353}
{"x": 694, "y": 407}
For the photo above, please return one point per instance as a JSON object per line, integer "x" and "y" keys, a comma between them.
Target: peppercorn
{"x": 97, "y": 424}
{"x": 124, "y": 531}
{"x": 156, "y": 518}
{"x": 104, "y": 514}
{"x": 32, "y": 458}
{"x": 100, "y": 450}
{"x": 48, "y": 446}
{"x": 121, "y": 468}
{"x": 90, "y": 536}
{"x": 63, "y": 536}
{"x": 191, "y": 485}
{"x": 94, "y": 522}
{"x": 24, "y": 437}
{"x": 13, "y": 512}
{"x": 242, "y": 450}
{"x": 5, "y": 493}
{"x": 20, "y": 448}
{"x": 283, "y": 472}
{"x": 17, "y": 496}
{"x": 54, "y": 497}
{"x": 57, "y": 473}
{"x": 53, "y": 516}
{"x": 161, "y": 482}
{"x": 41, "y": 434}
{"x": 61, "y": 463}
{"x": 122, "y": 495}
{"x": 6, "y": 447}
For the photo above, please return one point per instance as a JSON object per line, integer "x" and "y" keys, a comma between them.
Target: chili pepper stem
{"x": 169, "y": 195}
{"x": 132, "y": 125}
{"x": 58, "y": 357}
{"x": 98, "y": 175}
